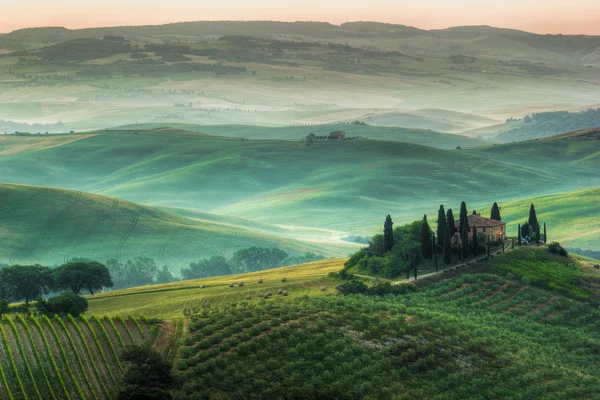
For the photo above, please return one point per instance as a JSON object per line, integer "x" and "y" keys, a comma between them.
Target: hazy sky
{"x": 542, "y": 16}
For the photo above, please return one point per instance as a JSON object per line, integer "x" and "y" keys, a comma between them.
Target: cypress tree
{"x": 488, "y": 246}
{"x": 545, "y": 236}
{"x": 495, "y": 214}
{"x": 459, "y": 252}
{"x": 463, "y": 216}
{"x": 415, "y": 271}
{"x": 533, "y": 218}
{"x": 519, "y": 240}
{"x": 447, "y": 248}
{"x": 450, "y": 223}
{"x": 426, "y": 245}
{"x": 388, "y": 234}
{"x": 464, "y": 238}
{"x": 434, "y": 252}
{"x": 537, "y": 235}
{"x": 475, "y": 242}
{"x": 441, "y": 225}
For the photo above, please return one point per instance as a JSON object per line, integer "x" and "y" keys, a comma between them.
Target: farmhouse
{"x": 337, "y": 135}
{"x": 490, "y": 227}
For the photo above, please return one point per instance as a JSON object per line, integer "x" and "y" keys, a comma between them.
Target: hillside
{"x": 66, "y": 358}
{"x": 52, "y": 226}
{"x": 425, "y": 137}
{"x": 458, "y": 334}
{"x": 366, "y": 179}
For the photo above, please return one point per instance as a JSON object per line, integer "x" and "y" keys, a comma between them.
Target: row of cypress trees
{"x": 532, "y": 224}
{"x": 446, "y": 228}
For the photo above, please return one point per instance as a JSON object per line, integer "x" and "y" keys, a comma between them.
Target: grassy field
{"x": 425, "y": 137}
{"x": 572, "y": 218}
{"x": 51, "y": 226}
{"x": 66, "y": 358}
{"x": 168, "y": 301}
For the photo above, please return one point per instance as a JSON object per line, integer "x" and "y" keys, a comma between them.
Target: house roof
{"x": 478, "y": 221}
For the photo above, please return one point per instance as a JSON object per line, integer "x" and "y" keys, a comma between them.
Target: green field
{"x": 345, "y": 187}
{"x": 51, "y": 226}
{"x": 66, "y": 358}
{"x": 489, "y": 332}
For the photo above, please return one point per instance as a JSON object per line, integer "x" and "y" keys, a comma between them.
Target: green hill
{"x": 425, "y": 137}
{"x": 66, "y": 358}
{"x": 51, "y": 226}
{"x": 491, "y": 332}
{"x": 346, "y": 186}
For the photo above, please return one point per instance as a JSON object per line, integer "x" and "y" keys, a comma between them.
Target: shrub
{"x": 556, "y": 248}
{"x": 352, "y": 287}
{"x": 65, "y": 303}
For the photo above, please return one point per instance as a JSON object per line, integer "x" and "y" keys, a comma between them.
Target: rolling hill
{"x": 52, "y": 226}
{"x": 348, "y": 186}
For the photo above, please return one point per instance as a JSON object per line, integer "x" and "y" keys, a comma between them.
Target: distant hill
{"x": 346, "y": 186}
{"x": 52, "y": 226}
{"x": 574, "y": 46}
{"x": 546, "y": 124}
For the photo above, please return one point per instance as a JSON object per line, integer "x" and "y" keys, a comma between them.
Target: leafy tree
{"x": 148, "y": 375}
{"x": 214, "y": 266}
{"x": 388, "y": 233}
{"x": 405, "y": 255}
{"x": 63, "y": 304}
{"x": 495, "y": 214}
{"x": 139, "y": 272}
{"x": 27, "y": 282}
{"x": 533, "y": 221}
{"x": 82, "y": 275}
{"x": 165, "y": 276}
{"x": 450, "y": 223}
{"x": 425, "y": 239}
{"x": 441, "y": 224}
{"x": 257, "y": 259}
{"x": 376, "y": 244}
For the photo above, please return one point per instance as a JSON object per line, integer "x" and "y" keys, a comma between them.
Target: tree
{"x": 475, "y": 242}
{"x": 139, "y": 272}
{"x": 450, "y": 223}
{"x": 519, "y": 240}
{"x": 545, "y": 236}
{"x": 165, "y": 276}
{"x": 495, "y": 214}
{"x": 441, "y": 225}
{"x": 352, "y": 287}
{"x": 148, "y": 376}
{"x": 27, "y": 282}
{"x": 214, "y": 266}
{"x": 533, "y": 221}
{"x": 63, "y": 304}
{"x": 388, "y": 233}
{"x": 82, "y": 275}
{"x": 425, "y": 239}
{"x": 463, "y": 228}
{"x": 447, "y": 248}
{"x": 537, "y": 235}
{"x": 257, "y": 259}
{"x": 433, "y": 244}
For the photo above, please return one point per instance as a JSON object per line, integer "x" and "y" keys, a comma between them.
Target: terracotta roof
{"x": 478, "y": 221}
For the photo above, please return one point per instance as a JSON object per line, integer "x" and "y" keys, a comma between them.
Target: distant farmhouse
{"x": 496, "y": 230}
{"x": 337, "y": 135}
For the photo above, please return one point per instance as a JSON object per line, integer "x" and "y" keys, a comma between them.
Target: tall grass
{"x": 12, "y": 362}
{"x": 23, "y": 355}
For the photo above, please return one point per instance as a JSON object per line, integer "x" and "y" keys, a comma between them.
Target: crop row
{"x": 71, "y": 358}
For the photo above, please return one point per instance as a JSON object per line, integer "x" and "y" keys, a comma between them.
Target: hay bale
{"x": 279, "y": 291}
{"x": 597, "y": 266}
{"x": 259, "y": 280}
{"x": 202, "y": 286}
{"x": 283, "y": 279}
{"x": 323, "y": 288}
{"x": 241, "y": 284}
{"x": 269, "y": 293}
{"x": 285, "y": 293}
{"x": 266, "y": 295}
{"x": 248, "y": 297}
{"x": 231, "y": 285}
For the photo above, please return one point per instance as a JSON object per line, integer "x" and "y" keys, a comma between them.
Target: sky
{"x": 540, "y": 16}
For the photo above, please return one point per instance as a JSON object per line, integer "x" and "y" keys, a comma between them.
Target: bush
{"x": 65, "y": 303}
{"x": 352, "y": 287}
{"x": 556, "y": 248}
